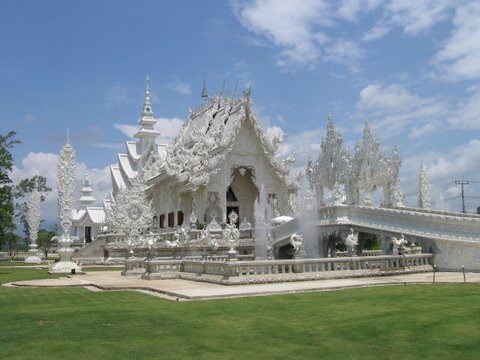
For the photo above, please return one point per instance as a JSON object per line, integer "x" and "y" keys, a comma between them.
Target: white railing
{"x": 266, "y": 267}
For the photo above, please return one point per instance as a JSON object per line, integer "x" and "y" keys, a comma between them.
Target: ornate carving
{"x": 424, "y": 198}
{"x": 130, "y": 212}
{"x": 351, "y": 240}
{"x": 33, "y": 220}
{"x": 296, "y": 240}
{"x": 231, "y": 234}
{"x": 66, "y": 186}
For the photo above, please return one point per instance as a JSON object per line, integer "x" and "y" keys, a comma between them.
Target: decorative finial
{"x": 204, "y": 90}
{"x": 147, "y": 105}
{"x": 68, "y": 136}
{"x": 234, "y": 93}
{"x": 223, "y": 86}
{"x": 86, "y": 180}
{"x": 249, "y": 90}
{"x": 330, "y": 117}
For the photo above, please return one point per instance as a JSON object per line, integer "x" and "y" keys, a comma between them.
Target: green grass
{"x": 391, "y": 322}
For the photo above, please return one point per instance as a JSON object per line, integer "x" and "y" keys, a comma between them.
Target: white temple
{"x": 223, "y": 171}
{"x": 217, "y": 164}
{"x": 88, "y": 220}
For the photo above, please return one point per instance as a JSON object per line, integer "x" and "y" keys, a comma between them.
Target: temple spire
{"x": 147, "y": 132}
{"x": 147, "y": 105}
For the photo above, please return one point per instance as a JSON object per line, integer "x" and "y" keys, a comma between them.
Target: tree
{"x": 45, "y": 241}
{"x": 478, "y": 210}
{"x": 20, "y": 192}
{"x": 7, "y": 224}
{"x": 12, "y": 240}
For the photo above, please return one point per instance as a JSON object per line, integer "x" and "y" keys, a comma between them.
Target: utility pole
{"x": 462, "y": 183}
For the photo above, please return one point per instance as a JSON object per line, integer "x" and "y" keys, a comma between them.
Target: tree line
{"x": 13, "y": 202}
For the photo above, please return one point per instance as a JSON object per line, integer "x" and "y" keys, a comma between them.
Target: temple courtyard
{"x": 56, "y": 316}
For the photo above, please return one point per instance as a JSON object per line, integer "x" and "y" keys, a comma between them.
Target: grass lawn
{"x": 391, "y": 322}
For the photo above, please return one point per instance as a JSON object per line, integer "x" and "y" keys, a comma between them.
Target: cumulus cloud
{"x": 393, "y": 108}
{"x": 45, "y": 164}
{"x": 414, "y": 17}
{"x": 459, "y": 57}
{"x": 299, "y": 29}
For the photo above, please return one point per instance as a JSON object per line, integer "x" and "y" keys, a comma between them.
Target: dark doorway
{"x": 236, "y": 209}
{"x": 88, "y": 234}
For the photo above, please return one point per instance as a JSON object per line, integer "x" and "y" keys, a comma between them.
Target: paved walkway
{"x": 192, "y": 290}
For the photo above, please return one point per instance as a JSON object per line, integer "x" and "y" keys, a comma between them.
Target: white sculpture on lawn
{"x": 66, "y": 167}
{"x": 33, "y": 220}
{"x": 130, "y": 213}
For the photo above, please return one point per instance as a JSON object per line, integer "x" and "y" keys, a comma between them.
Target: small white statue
{"x": 337, "y": 195}
{"x": 351, "y": 241}
{"x": 297, "y": 242}
{"x": 398, "y": 244}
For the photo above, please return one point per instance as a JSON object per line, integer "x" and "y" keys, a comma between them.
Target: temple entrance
{"x": 241, "y": 195}
{"x": 88, "y": 234}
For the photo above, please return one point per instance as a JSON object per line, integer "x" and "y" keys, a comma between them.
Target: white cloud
{"x": 393, "y": 108}
{"x": 414, "y": 17}
{"x": 117, "y": 95}
{"x": 467, "y": 115}
{"x": 459, "y": 57}
{"x": 168, "y": 128}
{"x": 45, "y": 164}
{"x": 296, "y": 27}
{"x": 128, "y": 130}
{"x": 465, "y": 159}
{"x": 350, "y": 9}
{"x": 181, "y": 87}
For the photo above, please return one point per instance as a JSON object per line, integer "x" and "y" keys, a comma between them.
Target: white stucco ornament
{"x": 66, "y": 168}
{"x": 33, "y": 220}
{"x": 351, "y": 240}
{"x": 424, "y": 197}
{"x": 232, "y": 235}
{"x": 296, "y": 240}
{"x": 131, "y": 212}
{"x": 366, "y": 170}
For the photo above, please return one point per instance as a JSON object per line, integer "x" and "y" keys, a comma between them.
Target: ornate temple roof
{"x": 199, "y": 149}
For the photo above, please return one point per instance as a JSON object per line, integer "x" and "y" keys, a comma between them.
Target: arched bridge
{"x": 453, "y": 237}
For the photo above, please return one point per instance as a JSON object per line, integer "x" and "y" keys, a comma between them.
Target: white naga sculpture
{"x": 366, "y": 170}
{"x": 232, "y": 235}
{"x": 33, "y": 220}
{"x": 397, "y": 244}
{"x": 424, "y": 197}
{"x": 66, "y": 167}
{"x": 351, "y": 240}
{"x": 130, "y": 213}
{"x": 297, "y": 242}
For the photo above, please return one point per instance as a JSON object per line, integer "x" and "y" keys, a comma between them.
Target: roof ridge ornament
{"x": 204, "y": 90}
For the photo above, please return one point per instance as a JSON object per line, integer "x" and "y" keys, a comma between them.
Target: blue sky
{"x": 411, "y": 67}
